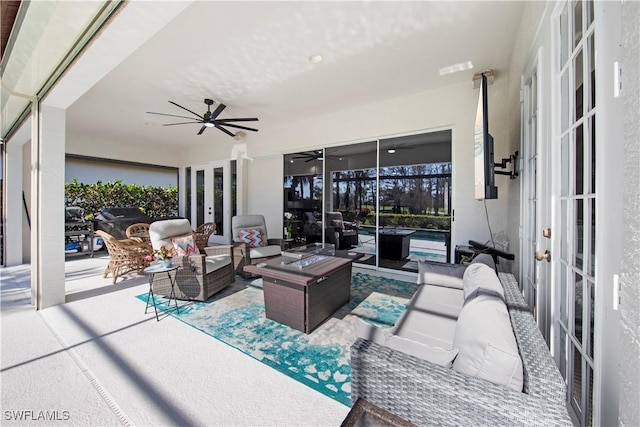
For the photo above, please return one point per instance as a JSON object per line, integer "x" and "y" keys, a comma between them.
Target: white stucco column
{"x": 14, "y": 213}
{"x": 47, "y": 206}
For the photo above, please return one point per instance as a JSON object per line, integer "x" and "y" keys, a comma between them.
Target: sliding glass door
{"x": 389, "y": 199}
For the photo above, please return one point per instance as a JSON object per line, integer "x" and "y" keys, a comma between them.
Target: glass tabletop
{"x": 300, "y": 252}
{"x": 160, "y": 268}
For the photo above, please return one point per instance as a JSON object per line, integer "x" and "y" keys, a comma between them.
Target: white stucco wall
{"x": 91, "y": 171}
{"x": 629, "y": 366}
{"x": 451, "y": 107}
{"x": 97, "y": 146}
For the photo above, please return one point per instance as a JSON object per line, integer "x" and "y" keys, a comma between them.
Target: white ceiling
{"x": 253, "y": 57}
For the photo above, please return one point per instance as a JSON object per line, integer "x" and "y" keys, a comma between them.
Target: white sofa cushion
{"x": 487, "y": 348}
{"x": 430, "y": 352}
{"x": 440, "y": 274}
{"x": 481, "y": 279}
{"x": 427, "y": 320}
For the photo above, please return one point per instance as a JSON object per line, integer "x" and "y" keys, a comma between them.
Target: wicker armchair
{"x": 244, "y": 251}
{"x": 202, "y": 233}
{"x": 124, "y": 255}
{"x": 200, "y": 276}
{"x": 140, "y": 231}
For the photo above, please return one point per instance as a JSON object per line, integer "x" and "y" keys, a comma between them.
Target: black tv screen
{"x": 484, "y": 181}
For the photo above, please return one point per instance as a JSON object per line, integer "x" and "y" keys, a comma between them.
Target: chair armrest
{"x": 275, "y": 242}
{"x": 219, "y": 250}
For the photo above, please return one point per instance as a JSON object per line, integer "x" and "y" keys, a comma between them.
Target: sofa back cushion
{"x": 440, "y": 274}
{"x": 484, "y": 259}
{"x": 486, "y": 345}
{"x": 481, "y": 279}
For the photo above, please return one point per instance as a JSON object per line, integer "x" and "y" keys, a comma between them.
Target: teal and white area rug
{"x": 321, "y": 360}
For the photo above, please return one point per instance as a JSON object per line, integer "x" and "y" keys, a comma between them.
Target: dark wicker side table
{"x": 364, "y": 413}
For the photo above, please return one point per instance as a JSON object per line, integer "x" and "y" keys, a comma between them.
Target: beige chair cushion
{"x": 161, "y": 232}
{"x": 265, "y": 251}
{"x": 216, "y": 262}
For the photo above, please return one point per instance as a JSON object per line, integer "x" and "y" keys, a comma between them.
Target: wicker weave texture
{"x": 202, "y": 233}
{"x": 192, "y": 282}
{"x": 241, "y": 257}
{"x": 429, "y": 394}
{"x": 125, "y": 255}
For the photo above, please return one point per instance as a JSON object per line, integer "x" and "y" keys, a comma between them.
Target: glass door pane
{"x": 218, "y": 199}
{"x": 200, "y": 198}
{"x": 351, "y": 192}
{"x": 302, "y": 210}
{"x": 415, "y": 200}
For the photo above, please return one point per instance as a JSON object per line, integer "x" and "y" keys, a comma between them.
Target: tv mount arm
{"x": 503, "y": 165}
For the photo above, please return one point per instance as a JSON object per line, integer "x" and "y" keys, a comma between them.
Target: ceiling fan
{"x": 210, "y": 119}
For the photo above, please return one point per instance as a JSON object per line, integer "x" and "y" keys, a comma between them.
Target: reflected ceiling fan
{"x": 309, "y": 156}
{"x": 210, "y": 119}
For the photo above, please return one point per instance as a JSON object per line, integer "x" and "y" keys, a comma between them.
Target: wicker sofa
{"x": 427, "y": 393}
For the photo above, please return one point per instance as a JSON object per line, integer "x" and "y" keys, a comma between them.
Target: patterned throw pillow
{"x": 252, "y": 236}
{"x": 185, "y": 245}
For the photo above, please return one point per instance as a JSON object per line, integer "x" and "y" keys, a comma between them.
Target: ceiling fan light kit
{"x": 210, "y": 119}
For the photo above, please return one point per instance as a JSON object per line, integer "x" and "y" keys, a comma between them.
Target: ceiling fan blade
{"x": 217, "y": 111}
{"x": 171, "y": 115}
{"x": 201, "y": 130}
{"x": 180, "y": 106}
{"x": 245, "y": 119}
{"x": 224, "y": 130}
{"x": 239, "y": 127}
{"x": 182, "y": 123}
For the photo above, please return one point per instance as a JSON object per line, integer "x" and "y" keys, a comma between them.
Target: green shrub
{"x": 153, "y": 201}
{"x": 431, "y": 222}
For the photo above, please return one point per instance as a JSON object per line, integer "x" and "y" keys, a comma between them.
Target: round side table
{"x": 151, "y": 271}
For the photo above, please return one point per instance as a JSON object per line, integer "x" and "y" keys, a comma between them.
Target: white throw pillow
{"x": 481, "y": 279}
{"x": 487, "y": 348}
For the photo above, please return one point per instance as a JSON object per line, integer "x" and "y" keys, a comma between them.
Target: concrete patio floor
{"x": 99, "y": 360}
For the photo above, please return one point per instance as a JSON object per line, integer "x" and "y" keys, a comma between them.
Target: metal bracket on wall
{"x": 503, "y": 165}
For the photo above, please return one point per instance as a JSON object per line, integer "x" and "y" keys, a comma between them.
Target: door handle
{"x": 546, "y": 255}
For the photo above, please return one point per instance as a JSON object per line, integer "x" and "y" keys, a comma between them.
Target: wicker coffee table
{"x": 303, "y": 293}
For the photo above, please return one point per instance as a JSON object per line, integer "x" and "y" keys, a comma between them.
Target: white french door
{"x": 208, "y": 198}
{"x": 535, "y": 206}
{"x": 575, "y": 144}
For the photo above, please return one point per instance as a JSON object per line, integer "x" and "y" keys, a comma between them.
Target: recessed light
{"x": 391, "y": 150}
{"x": 315, "y": 58}
{"x": 456, "y": 67}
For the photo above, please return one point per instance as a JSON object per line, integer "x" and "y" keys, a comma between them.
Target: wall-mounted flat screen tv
{"x": 484, "y": 181}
